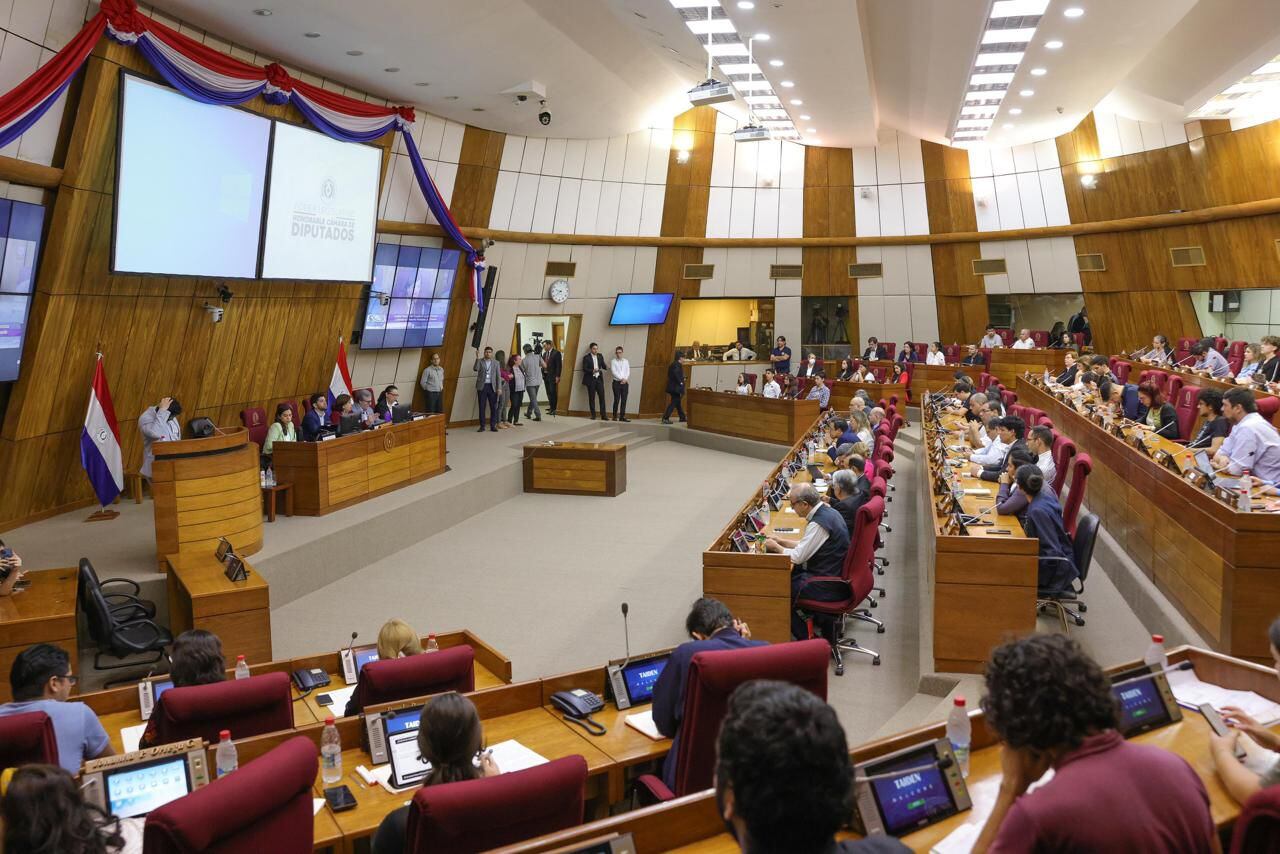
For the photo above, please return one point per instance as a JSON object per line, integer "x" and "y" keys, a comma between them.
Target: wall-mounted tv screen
{"x": 20, "y": 228}
{"x": 409, "y": 298}
{"x": 322, "y": 207}
{"x": 640, "y": 309}
{"x": 189, "y": 185}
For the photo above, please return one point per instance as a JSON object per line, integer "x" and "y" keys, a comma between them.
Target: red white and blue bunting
{"x": 212, "y": 77}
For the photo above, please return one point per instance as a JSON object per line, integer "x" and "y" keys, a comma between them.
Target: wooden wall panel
{"x": 828, "y": 212}
{"x": 961, "y": 297}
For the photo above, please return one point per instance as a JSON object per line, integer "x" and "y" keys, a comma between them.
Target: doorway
{"x": 563, "y": 332}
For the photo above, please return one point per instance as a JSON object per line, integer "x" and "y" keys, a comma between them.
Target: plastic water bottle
{"x": 1245, "y": 503}
{"x": 262, "y": 478}
{"x": 226, "y": 758}
{"x": 271, "y": 477}
{"x": 959, "y": 733}
{"x": 1155, "y": 653}
{"x": 330, "y": 753}
{"x": 432, "y": 646}
{"x": 242, "y": 667}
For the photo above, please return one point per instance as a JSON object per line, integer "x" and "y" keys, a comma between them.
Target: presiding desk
{"x": 575, "y": 468}
{"x": 749, "y": 416}
{"x": 45, "y": 612}
{"x": 983, "y": 583}
{"x": 346, "y": 470}
{"x": 1217, "y": 565}
{"x": 204, "y": 489}
{"x": 693, "y": 823}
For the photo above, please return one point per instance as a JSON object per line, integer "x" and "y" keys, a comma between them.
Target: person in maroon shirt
{"x": 1051, "y": 706}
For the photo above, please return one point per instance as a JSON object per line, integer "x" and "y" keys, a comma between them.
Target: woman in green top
{"x": 281, "y": 430}
{"x": 1160, "y": 415}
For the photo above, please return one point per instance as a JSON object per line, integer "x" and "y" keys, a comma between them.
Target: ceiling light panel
{"x": 695, "y": 4}
{"x": 1010, "y": 28}
{"x": 1256, "y": 94}
{"x": 1014, "y": 8}
{"x": 999, "y": 59}
{"x": 715, "y": 25}
{"x": 1020, "y": 35}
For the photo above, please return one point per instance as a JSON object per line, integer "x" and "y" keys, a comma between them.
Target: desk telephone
{"x": 578, "y": 707}
{"x": 308, "y": 679}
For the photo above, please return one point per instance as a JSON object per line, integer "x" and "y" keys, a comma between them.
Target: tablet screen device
{"x": 640, "y": 677}
{"x": 134, "y": 784}
{"x": 1146, "y": 701}
{"x": 909, "y": 789}
{"x": 408, "y": 768}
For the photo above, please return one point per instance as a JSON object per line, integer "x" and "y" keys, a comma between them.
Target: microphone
{"x": 354, "y": 635}
{"x": 1183, "y": 665}
{"x": 1183, "y": 359}
{"x": 942, "y": 764}
{"x": 626, "y": 634}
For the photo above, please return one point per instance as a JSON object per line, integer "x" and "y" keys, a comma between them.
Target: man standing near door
{"x": 487, "y": 378}
{"x": 593, "y": 378}
{"x": 552, "y": 364}
{"x": 620, "y": 370}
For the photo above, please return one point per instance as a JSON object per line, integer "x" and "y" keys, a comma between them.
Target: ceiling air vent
{"x": 561, "y": 269}
{"x": 699, "y": 271}
{"x": 1092, "y": 262}
{"x": 866, "y": 271}
{"x": 786, "y": 271}
{"x": 989, "y": 266}
{"x": 1187, "y": 256}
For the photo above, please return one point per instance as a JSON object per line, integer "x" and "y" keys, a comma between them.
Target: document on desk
{"x": 982, "y": 796}
{"x": 1189, "y": 691}
{"x": 317, "y": 804}
{"x": 131, "y": 736}
{"x": 340, "y": 697}
{"x": 511, "y": 755}
{"x": 643, "y": 722}
{"x": 977, "y": 491}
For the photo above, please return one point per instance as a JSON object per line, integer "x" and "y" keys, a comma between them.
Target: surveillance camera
{"x": 520, "y": 99}
{"x": 1061, "y": 111}
{"x": 216, "y": 312}
{"x": 545, "y": 116}
{"x": 224, "y": 294}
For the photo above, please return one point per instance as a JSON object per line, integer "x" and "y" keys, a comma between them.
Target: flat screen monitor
{"x": 640, "y": 309}
{"x": 364, "y": 656}
{"x": 641, "y": 676}
{"x": 189, "y": 185}
{"x": 322, "y": 207}
{"x": 138, "y": 789}
{"x": 409, "y": 298}
{"x": 20, "y": 227}
{"x": 918, "y": 796}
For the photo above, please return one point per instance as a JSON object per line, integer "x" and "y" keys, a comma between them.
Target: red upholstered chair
{"x": 1112, "y": 361}
{"x": 1159, "y": 379}
{"x": 1235, "y": 355}
{"x": 1078, "y": 337}
{"x": 1182, "y": 356}
{"x": 855, "y": 362}
{"x": 1006, "y": 335}
{"x": 26, "y": 738}
{"x": 451, "y": 669}
{"x": 712, "y": 677}
{"x": 1019, "y": 411}
{"x": 1121, "y": 369}
{"x": 252, "y": 706}
{"x": 984, "y": 381}
{"x": 1046, "y": 422}
{"x": 888, "y": 350}
{"x": 802, "y": 387}
{"x": 1220, "y": 344}
{"x": 1064, "y": 451}
{"x": 255, "y": 421}
{"x": 1033, "y": 416}
{"x": 751, "y": 379}
{"x": 1186, "y": 343}
{"x": 1040, "y": 337}
{"x": 1009, "y": 398}
{"x": 263, "y": 806}
{"x": 1268, "y": 405}
{"x": 951, "y": 352}
{"x": 922, "y": 351}
{"x": 1075, "y": 493}
{"x": 878, "y": 373}
{"x": 1258, "y": 827}
{"x": 1184, "y": 403}
{"x": 1173, "y": 387}
{"x": 856, "y": 580}
{"x": 490, "y": 812}
{"x": 895, "y": 424}
{"x": 986, "y": 356}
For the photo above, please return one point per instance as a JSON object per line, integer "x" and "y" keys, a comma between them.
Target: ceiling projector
{"x": 750, "y": 133}
{"x": 710, "y": 91}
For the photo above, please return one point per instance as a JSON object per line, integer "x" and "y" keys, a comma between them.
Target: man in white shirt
{"x": 738, "y": 353}
{"x": 1024, "y": 341}
{"x": 620, "y": 370}
{"x": 935, "y": 356}
{"x": 991, "y": 339}
{"x": 1040, "y": 443}
{"x": 770, "y": 386}
{"x": 993, "y": 453}
{"x": 819, "y": 552}
{"x": 982, "y": 433}
{"x": 1252, "y": 444}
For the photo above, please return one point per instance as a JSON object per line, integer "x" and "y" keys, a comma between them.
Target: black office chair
{"x": 119, "y": 634}
{"x": 1082, "y": 547}
{"x": 123, "y": 605}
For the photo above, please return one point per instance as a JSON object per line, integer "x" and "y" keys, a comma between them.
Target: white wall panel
{"x": 433, "y": 138}
{"x": 533, "y": 276}
{"x": 792, "y": 170}
{"x": 744, "y": 165}
{"x": 742, "y": 212}
{"x": 1152, "y": 135}
{"x": 66, "y": 19}
{"x": 629, "y": 209}
{"x": 888, "y": 170}
{"x": 737, "y": 272}
{"x": 659, "y": 156}
{"x": 588, "y": 207}
{"x": 980, "y": 162}
{"x": 534, "y": 148}
{"x": 1046, "y": 154}
{"x": 415, "y": 209}
{"x": 1019, "y": 267}
{"x": 1024, "y": 158}
{"x": 1002, "y": 161}
{"x": 766, "y": 213}
{"x": 866, "y": 211}
{"x": 910, "y": 159}
{"x": 993, "y": 249}
{"x": 915, "y": 209}
{"x": 725, "y": 124}
{"x": 643, "y": 270}
{"x": 894, "y": 261}
{"x": 791, "y": 212}
{"x": 575, "y": 153}
{"x": 553, "y": 158}
{"x": 924, "y": 318}
{"x": 872, "y": 286}
{"x": 920, "y": 270}
{"x": 1109, "y": 142}
{"x": 890, "y": 198}
{"x": 398, "y": 196}
{"x": 1044, "y": 270}
{"x": 544, "y": 212}
{"x": 722, "y": 161}
{"x": 897, "y": 320}
{"x": 451, "y": 142}
{"x": 567, "y": 206}
{"x": 719, "y": 203}
{"x": 624, "y": 266}
{"x": 786, "y": 320}
{"x": 719, "y": 259}
{"x": 593, "y": 159}
{"x": 526, "y": 200}
{"x": 651, "y": 212}
{"x": 1054, "y": 195}
{"x": 768, "y": 163}
{"x": 1007, "y": 202}
{"x": 599, "y": 281}
{"x": 615, "y": 158}
{"x": 1033, "y": 212}
{"x": 864, "y": 166}
{"x": 870, "y": 317}
{"x": 985, "y": 207}
{"x": 1130, "y": 135}
{"x": 637, "y": 158}
{"x": 1064, "y": 255}
{"x": 607, "y": 214}
{"x": 1175, "y": 133}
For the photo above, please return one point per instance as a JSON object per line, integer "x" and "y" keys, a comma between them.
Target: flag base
{"x": 102, "y": 515}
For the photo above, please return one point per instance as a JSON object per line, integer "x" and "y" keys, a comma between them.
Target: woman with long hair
{"x": 195, "y": 659}
{"x": 397, "y": 639}
{"x": 516, "y": 373}
{"x": 846, "y": 371}
{"x": 504, "y": 389}
{"x": 44, "y": 812}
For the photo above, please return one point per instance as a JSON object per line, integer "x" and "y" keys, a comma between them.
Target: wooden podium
{"x": 205, "y": 489}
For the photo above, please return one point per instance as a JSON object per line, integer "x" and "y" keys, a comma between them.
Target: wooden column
{"x": 961, "y": 297}
{"x": 828, "y": 212}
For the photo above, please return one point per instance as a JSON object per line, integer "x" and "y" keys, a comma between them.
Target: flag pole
{"x": 103, "y": 514}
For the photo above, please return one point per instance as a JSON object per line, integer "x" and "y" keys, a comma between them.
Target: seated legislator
{"x": 387, "y": 401}
{"x": 850, "y": 489}
{"x": 770, "y": 387}
{"x": 846, "y": 371}
{"x": 1158, "y": 413}
{"x": 897, "y": 374}
{"x": 1101, "y": 368}
{"x": 41, "y": 681}
{"x": 1214, "y": 426}
{"x": 783, "y": 777}
{"x": 990, "y": 339}
{"x": 712, "y": 627}
{"x": 873, "y": 350}
{"x": 43, "y": 811}
{"x": 739, "y": 352}
{"x": 1070, "y": 370}
{"x": 973, "y": 356}
{"x": 838, "y": 432}
{"x": 1269, "y": 371}
{"x": 1010, "y": 500}
{"x": 819, "y": 552}
{"x": 980, "y": 433}
{"x": 158, "y": 423}
{"x": 996, "y": 449}
{"x": 451, "y": 739}
{"x": 860, "y": 422}
{"x": 313, "y": 420}
{"x": 1160, "y": 353}
{"x": 908, "y": 353}
{"x": 1011, "y": 431}
{"x": 1040, "y": 443}
{"x": 1051, "y": 706}
{"x": 1253, "y": 443}
{"x": 1209, "y": 359}
{"x": 397, "y": 639}
{"x": 342, "y": 406}
{"x": 1043, "y": 520}
{"x": 858, "y": 403}
{"x": 1249, "y": 366}
{"x": 1024, "y": 341}
{"x": 10, "y": 574}
{"x": 820, "y": 392}
{"x": 809, "y": 367}
{"x": 281, "y": 429}
{"x": 362, "y": 405}
{"x": 1236, "y": 778}
{"x": 935, "y": 356}
{"x": 742, "y": 386}
{"x": 195, "y": 659}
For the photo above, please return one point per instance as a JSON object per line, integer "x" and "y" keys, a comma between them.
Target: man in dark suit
{"x": 712, "y": 627}
{"x": 873, "y": 350}
{"x": 675, "y": 388}
{"x": 851, "y": 490}
{"x": 1011, "y": 431}
{"x": 809, "y": 367}
{"x": 553, "y": 364}
{"x": 313, "y": 421}
{"x": 593, "y": 371}
{"x": 973, "y": 356}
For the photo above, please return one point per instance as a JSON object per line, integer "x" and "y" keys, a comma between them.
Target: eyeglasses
{"x": 74, "y": 680}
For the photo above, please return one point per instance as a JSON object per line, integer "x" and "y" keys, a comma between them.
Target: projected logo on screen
{"x": 324, "y": 219}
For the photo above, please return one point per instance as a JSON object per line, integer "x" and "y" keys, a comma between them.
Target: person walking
{"x": 620, "y": 370}
{"x": 516, "y": 373}
{"x": 504, "y": 390}
{"x": 531, "y": 365}
{"x": 675, "y": 388}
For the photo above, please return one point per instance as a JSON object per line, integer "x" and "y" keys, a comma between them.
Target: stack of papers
{"x": 983, "y": 797}
{"x": 643, "y": 722}
{"x": 131, "y": 736}
{"x": 1189, "y": 691}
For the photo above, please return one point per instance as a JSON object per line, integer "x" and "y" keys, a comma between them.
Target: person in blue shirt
{"x": 781, "y": 356}
{"x": 1209, "y": 359}
{"x": 1043, "y": 520}
{"x": 839, "y": 433}
{"x": 41, "y": 681}
{"x": 820, "y": 392}
{"x": 712, "y": 627}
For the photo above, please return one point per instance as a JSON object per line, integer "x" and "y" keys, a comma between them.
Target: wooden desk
{"x": 692, "y": 823}
{"x": 1008, "y": 363}
{"x": 842, "y": 391}
{"x": 764, "y": 419}
{"x": 575, "y": 468}
{"x": 204, "y": 489}
{"x": 972, "y": 573}
{"x": 45, "y": 612}
{"x": 238, "y": 612}
{"x": 1217, "y": 565}
{"x": 337, "y": 473}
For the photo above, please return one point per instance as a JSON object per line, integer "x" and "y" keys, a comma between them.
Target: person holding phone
{"x": 158, "y": 423}
{"x": 10, "y": 570}
{"x": 1236, "y": 778}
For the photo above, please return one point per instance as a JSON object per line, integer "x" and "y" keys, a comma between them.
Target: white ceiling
{"x": 614, "y": 66}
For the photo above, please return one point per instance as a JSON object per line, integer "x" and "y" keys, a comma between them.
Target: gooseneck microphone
{"x": 626, "y": 634}
{"x": 354, "y": 635}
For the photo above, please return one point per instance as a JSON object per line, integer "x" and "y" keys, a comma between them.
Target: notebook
{"x": 643, "y": 722}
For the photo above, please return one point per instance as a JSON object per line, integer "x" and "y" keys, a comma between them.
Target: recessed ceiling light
{"x": 1073, "y": 12}
{"x": 423, "y": 83}
{"x": 777, "y": 63}
{"x": 1027, "y": 93}
{"x": 1007, "y": 126}
{"x": 796, "y": 102}
{"x": 788, "y": 84}
{"x": 746, "y": 4}
{"x": 761, "y": 37}
{"x": 1039, "y": 72}
{"x": 805, "y": 118}
{"x": 312, "y": 35}
{"x": 1054, "y": 44}
{"x": 451, "y": 97}
{"x": 355, "y": 53}
{"x": 1016, "y": 111}
{"x": 812, "y": 130}
{"x": 392, "y": 70}
{"x": 262, "y": 13}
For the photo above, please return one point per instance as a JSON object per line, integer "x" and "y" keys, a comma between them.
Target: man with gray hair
{"x": 1024, "y": 341}
{"x": 819, "y": 552}
{"x": 973, "y": 407}
{"x": 850, "y": 489}
{"x": 879, "y": 424}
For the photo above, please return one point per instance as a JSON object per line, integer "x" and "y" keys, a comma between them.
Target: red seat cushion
{"x": 451, "y": 669}
{"x": 26, "y": 738}
{"x": 246, "y": 707}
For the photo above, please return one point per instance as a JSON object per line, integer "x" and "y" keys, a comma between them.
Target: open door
{"x": 563, "y": 332}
